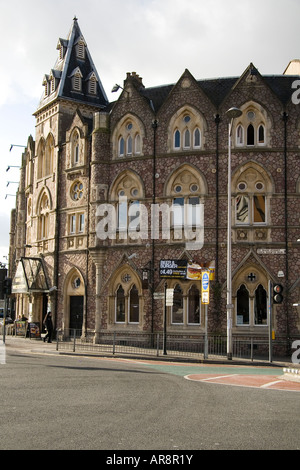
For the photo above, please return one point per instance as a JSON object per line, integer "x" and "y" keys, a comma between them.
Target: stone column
{"x": 99, "y": 256}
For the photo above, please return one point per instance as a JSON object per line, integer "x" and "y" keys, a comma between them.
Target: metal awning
{"x": 30, "y": 277}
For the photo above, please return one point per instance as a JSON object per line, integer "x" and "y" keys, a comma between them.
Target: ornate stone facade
{"x": 162, "y": 145}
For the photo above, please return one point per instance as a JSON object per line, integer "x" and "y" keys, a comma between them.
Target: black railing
{"x": 177, "y": 345}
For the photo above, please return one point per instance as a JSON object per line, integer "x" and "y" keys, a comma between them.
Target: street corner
{"x": 266, "y": 382}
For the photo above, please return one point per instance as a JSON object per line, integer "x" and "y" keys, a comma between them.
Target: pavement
{"x": 238, "y": 372}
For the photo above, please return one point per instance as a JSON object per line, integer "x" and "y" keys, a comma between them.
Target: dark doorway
{"x": 76, "y": 312}
{"x": 45, "y": 308}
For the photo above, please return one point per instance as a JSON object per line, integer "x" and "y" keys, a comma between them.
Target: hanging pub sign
{"x": 193, "y": 272}
{"x": 172, "y": 269}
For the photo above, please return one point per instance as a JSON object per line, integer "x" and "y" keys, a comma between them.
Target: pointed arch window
{"x": 121, "y": 147}
{"x": 129, "y": 145}
{"x": 177, "y": 309}
{"x": 49, "y": 156}
{"x": 138, "y": 144}
{"x": 41, "y": 159}
{"x": 187, "y": 139}
{"x": 130, "y": 138}
{"x": 251, "y": 128}
{"x": 240, "y": 135}
{"x": 250, "y": 135}
{"x": 186, "y": 128}
{"x": 242, "y": 306}
{"x": 177, "y": 139}
{"x": 193, "y": 306}
{"x": 197, "y": 138}
{"x": 134, "y": 314}
{"x": 260, "y": 306}
{"x": 120, "y": 305}
{"x": 261, "y": 134}
{"x": 75, "y": 148}
{"x": 43, "y": 219}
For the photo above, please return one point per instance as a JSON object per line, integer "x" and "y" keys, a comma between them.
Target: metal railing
{"x": 177, "y": 345}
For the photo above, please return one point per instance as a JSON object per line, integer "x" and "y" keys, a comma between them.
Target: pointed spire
{"x": 74, "y": 75}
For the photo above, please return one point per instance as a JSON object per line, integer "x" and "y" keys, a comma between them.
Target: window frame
{"x": 251, "y": 197}
{"x": 76, "y": 223}
{"x": 252, "y": 307}
{"x": 126, "y": 318}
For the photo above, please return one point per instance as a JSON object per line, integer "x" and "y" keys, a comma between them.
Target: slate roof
{"x": 63, "y": 70}
{"x": 216, "y": 89}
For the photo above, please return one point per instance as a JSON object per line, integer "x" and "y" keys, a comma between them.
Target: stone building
{"x": 158, "y": 147}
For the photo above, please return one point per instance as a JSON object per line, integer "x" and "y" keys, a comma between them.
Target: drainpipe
{"x": 87, "y": 228}
{"x": 217, "y": 122}
{"x": 57, "y": 230}
{"x": 154, "y": 127}
{"x": 285, "y": 119}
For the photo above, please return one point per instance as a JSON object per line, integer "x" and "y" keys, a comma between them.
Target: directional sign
{"x": 205, "y": 287}
{"x": 169, "y": 297}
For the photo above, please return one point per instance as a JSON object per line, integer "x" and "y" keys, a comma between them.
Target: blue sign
{"x": 205, "y": 281}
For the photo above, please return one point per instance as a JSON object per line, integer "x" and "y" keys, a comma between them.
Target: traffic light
{"x": 7, "y": 286}
{"x": 277, "y": 294}
{"x": 3, "y": 273}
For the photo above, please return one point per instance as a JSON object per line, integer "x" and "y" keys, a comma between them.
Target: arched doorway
{"x": 74, "y": 302}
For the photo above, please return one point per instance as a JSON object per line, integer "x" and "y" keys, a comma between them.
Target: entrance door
{"x": 76, "y": 312}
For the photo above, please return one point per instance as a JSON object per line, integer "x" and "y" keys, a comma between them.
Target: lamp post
{"x": 232, "y": 113}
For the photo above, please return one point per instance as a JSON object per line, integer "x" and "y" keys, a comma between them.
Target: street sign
{"x": 205, "y": 287}
{"x": 158, "y": 295}
{"x": 169, "y": 297}
{"x": 172, "y": 269}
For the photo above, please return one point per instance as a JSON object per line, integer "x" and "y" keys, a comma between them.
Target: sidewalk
{"x": 27, "y": 345}
{"x": 37, "y": 345}
{"x": 291, "y": 372}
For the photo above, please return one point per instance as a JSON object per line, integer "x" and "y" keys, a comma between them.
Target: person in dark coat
{"x": 49, "y": 326}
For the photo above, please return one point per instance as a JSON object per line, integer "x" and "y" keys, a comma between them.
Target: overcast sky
{"x": 158, "y": 39}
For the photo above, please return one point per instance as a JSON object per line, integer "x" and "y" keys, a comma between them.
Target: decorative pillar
{"x": 99, "y": 256}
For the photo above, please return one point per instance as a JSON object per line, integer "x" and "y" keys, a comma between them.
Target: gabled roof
{"x": 217, "y": 89}
{"x": 64, "y": 68}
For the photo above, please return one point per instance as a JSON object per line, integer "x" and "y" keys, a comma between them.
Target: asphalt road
{"x": 79, "y": 403}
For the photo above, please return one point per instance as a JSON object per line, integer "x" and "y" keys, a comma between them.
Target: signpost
{"x": 205, "y": 301}
{"x": 181, "y": 269}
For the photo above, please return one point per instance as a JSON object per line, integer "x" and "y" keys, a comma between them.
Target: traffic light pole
{"x": 4, "y": 317}
{"x": 270, "y": 319}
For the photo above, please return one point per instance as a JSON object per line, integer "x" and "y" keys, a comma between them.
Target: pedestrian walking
{"x": 49, "y": 326}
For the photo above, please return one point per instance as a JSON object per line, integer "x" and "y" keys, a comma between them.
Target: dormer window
{"x": 77, "y": 80}
{"x": 92, "y": 84}
{"x": 46, "y": 84}
{"x": 51, "y": 83}
{"x": 62, "y": 47}
{"x": 80, "y": 49}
